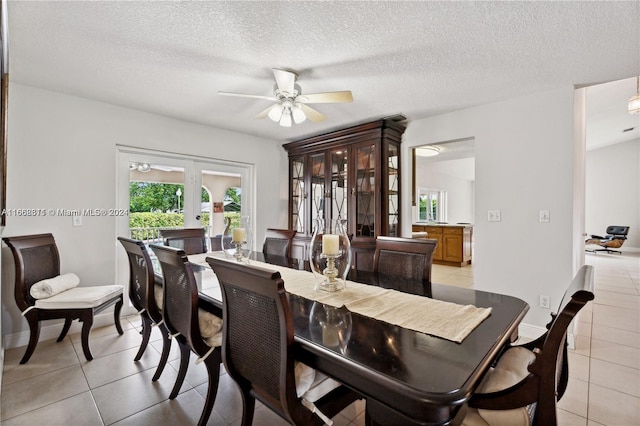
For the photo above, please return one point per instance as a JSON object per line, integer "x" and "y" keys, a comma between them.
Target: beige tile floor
{"x": 58, "y": 387}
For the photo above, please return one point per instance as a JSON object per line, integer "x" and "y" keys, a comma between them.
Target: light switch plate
{"x": 77, "y": 220}
{"x": 544, "y": 216}
{"x": 494, "y": 216}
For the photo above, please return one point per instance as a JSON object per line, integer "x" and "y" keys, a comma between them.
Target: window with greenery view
{"x": 159, "y": 205}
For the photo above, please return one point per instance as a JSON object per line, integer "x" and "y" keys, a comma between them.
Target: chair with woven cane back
{"x": 145, "y": 293}
{"x": 278, "y": 242}
{"x": 406, "y": 259}
{"x": 528, "y": 380}
{"x": 191, "y": 240}
{"x": 37, "y": 260}
{"x": 259, "y": 351}
{"x": 195, "y": 329}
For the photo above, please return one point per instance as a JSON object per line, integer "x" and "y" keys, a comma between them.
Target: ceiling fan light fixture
{"x": 634, "y": 102}
{"x": 298, "y": 115}
{"x": 428, "y": 151}
{"x": 275, "y": 113}
{"x": 290, "y": 105}
{"x": 285, "y": 121}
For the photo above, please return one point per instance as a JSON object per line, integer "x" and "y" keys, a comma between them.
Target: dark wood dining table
{"x": 407, "y": 377}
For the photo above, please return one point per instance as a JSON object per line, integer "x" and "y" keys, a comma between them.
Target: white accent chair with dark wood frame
{"x": 36, "y": 258}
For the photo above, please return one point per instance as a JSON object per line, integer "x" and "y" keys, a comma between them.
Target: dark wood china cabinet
{"x": 353, "y": 175}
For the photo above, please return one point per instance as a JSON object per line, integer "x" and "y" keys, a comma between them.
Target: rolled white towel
{"x": 52, "y": 286}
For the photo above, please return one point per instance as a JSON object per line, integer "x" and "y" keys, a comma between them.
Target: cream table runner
{"x": 443, "y": 319}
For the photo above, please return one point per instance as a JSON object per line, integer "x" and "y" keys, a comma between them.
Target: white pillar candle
{"x": 330, "y": 244}
{"x": 238, "y": 235}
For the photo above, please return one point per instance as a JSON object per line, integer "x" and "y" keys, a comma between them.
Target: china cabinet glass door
{"x": 318, "y": 195}
{"x": 298, "y": 195}
{"x": 339, "y": 185}
{"x": 393, "y": 173}
{"x": 365, "y": 206}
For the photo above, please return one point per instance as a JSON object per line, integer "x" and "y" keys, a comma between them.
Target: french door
{"x": 185, "y": 191}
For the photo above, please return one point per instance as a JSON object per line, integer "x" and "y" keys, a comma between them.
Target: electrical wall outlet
{"x": 494, "y": 216}
{"x": 544, "y": 302}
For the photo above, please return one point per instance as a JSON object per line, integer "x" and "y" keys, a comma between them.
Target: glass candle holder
{"x": 330, "y": 255}
{"x": 238, "y": 240}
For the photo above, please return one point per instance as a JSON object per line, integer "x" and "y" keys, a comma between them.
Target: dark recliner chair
{"x": 616, "y": 235}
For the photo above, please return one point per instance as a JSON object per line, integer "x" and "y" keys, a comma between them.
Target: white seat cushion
{"x": 473, "y": 418}
{"x": 158, "y": 296}
{"x": 311, "y": 384}
{"x": 511, "y": 368}
{"x": 305, "y": 376}
{"x": 321, "y": 386}
{"x": 210, "y": 328}
{"x": 80, "y": 297}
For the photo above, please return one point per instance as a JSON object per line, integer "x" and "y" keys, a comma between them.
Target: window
{"x": 432, "y": 205}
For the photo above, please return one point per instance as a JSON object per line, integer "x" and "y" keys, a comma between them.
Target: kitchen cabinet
{"x": 453, "y": 242}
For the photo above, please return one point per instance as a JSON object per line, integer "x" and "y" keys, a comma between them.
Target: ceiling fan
{"x": 291, "y": 104}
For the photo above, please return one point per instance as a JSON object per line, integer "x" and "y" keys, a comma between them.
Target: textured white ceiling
{"x": 415, "y": 58}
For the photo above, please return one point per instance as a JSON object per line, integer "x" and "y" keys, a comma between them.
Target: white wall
{"x": 62, "y": 154}
{"x": 459, "y": 191}
{"x": 613, "y": 190}
{"x": 524, "y": 150}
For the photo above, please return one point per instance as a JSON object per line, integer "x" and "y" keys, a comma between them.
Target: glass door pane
{"x": 220, "y": 201}
{"x": 366, "y": 191}
{"x": 224, "y": 196}
{"x": 318, "y": 196}
{"x": 156, "y": 197}
{"x": 297, "y": 195}
{"x": 339, "y": 188}
{"x": 394, "y": 185}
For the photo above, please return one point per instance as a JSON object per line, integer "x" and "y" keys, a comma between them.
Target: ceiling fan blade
{"x": 243, "y": 95}
{"x": 326, "y": 97}
{"x": 285, "y": 80}
{"x": 312, "y": 114}
{"x": 264, "y": 113}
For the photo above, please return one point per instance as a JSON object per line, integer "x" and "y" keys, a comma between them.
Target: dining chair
{"x": 37, "y": 263}
{"x": 145, "y": 293}
{"x": 195, "y": 329}
{"x": 191, "y": 240}
{"x": 408, "y": 258}
{"x": 528, "y": 380}
{"x": 220, "y": 241}
{"x": 278, "y": 242}
{"x": 259, "y": 351}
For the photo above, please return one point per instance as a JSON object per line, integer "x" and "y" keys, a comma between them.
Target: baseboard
{"x": 531, "y": 332}
{"x": 51, "y": 330}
